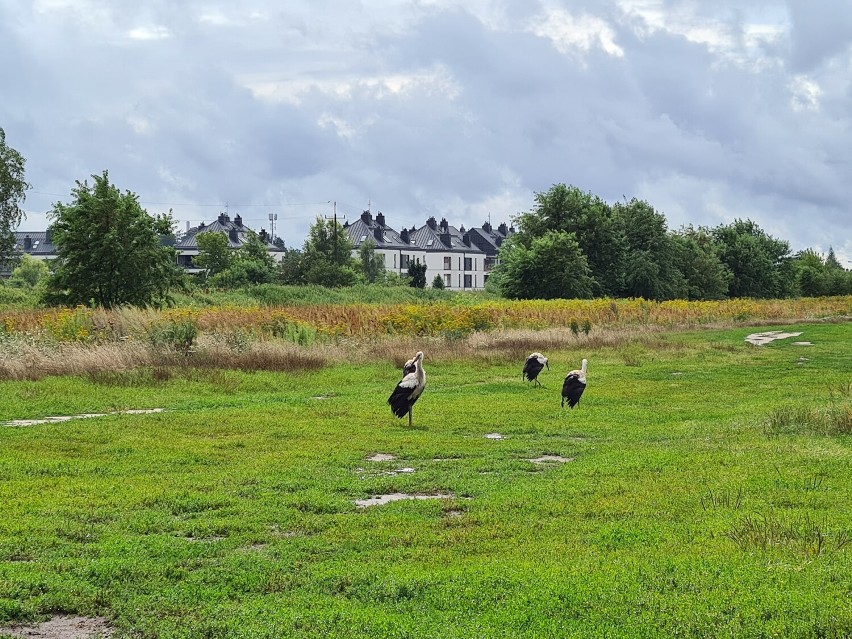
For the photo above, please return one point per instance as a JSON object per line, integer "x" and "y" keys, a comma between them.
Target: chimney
{"x": 461, "y": 229}
{"x": 502, "y": 229}
{"x": 486, "y": 226}
{"x": 238, "y": 220}
{"x": 466, "y": 239}
{"x": 28, "y": 243}
{"x": 379, "y": 234}
{"x": 187, "y": 226}
{"x": 446, "y": 239}
{"x": 232, "y": 235}
{"x": 403, "y": 235}
{"x": 380, "y": 218}
{"x": 222, "y": 218}
{"x": 366, "y": 218}
{"x": 444, "y": 226}
{"x": 432, "y": 224}
{"x": 48, "y": 237}
{"x": 264, "y": 237}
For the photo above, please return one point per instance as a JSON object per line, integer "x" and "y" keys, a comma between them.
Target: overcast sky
{"x": 464, "y": 109}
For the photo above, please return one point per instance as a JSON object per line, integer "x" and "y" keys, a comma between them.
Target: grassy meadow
{"x": 706, "y": 491}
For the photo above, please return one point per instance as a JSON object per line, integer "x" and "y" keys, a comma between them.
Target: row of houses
{"x": 462, "y": 257}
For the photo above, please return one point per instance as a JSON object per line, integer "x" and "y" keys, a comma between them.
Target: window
{"x": 468, "y": 281}
{"x": 468, "y": 263}
{"x": 363, "y": 238}
{"x": 448, "y": 280}
{"x": 430, "y": 242}
{"x": 403, "y": 261}
{"x": 448, "y": 263}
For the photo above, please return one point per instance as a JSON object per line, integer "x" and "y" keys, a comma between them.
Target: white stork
{"x": 574, "y": 385}
{"x": 409, "y": 388}
{"x": 533, "y": 365}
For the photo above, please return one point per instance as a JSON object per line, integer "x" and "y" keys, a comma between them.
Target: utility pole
{"x": 334, "y": 218}
{"x": 273, "y": 218}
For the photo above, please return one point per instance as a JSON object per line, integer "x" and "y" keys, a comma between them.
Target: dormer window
{"x": 363, "y": 238}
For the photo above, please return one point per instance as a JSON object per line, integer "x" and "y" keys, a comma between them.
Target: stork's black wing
{"x": 532, "y": 367}
{"x": 572, "y": 389}
{"x": 403, "y": 396}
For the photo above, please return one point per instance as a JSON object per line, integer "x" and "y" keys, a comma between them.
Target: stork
{"x": 574, "y": 385}
{"x": 409, "y": 388}
{"x": 533, "y": 365}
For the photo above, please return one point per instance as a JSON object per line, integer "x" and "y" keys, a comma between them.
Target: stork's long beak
{"x": 548, "y": 365}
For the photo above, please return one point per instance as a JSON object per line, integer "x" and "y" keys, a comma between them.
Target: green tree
{"x": 13, "y": 190}
{"x": 371, "y": 263}
{"x": 553, "y": 266}
{"x": 650, "y": 270}
{"x": 109, "y": 250}
{"x": 438, "y": 282}
{"x": 417, "y": 274}
{"x": 570, "y": 210}
{"x": 249, "y": 264}
{"x": 327, "y": 256}
{"x": 759, "y": 263}
{"x": 291, "y": 269}
{"x": 29, "y": 273}
{"x": 696, "y": 256}
{"x": 214, "y": 252}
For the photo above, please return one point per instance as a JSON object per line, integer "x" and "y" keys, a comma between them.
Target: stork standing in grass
{"x": 533, "y": 366}
{"x": 574, "y": 385}
{"x": 409, "y": 388}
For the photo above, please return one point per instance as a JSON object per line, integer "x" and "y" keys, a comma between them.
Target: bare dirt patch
{"x": 381, "y": 500}
{"x": 552, "y": 459}
{"x": 759, "y": 339}
{"x": 67, "y": 418}
{"x": 64, "y": 627}
{"x": 380, "y": 457}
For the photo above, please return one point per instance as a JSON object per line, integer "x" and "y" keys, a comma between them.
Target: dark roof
{"x": 39, "y": 243}
{"x": 234, "y": 230}
{"x": 443, "y": 237}
{"x": 368, "y": 228}
{"x": 490, "y": 239}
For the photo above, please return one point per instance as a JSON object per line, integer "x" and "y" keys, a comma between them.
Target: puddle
{"x": 759, "y": 339}
{"x": 63, "y": 627}
{"x": 66, "y": 418}
{"x": 381, "y": 500}
{"x": 380, "y": 457}
{"x": 547, "y": 459}
{"x": 494, "y": 436}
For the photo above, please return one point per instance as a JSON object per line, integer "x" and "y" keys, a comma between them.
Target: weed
{"x": 799, "y": 534}
{"x": 722, "y": 499}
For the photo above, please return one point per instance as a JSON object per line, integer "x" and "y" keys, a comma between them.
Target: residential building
{"x": 489, "y": 240}
{"x": 35, "y": 243}
{"x": 234, "y": 230}
{"x": 445, "y": 250}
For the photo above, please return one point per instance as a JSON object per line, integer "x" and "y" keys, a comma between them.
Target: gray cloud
{"x": 438, "y": 107}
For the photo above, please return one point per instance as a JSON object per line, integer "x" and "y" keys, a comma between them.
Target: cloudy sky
{"x": 709, "y": 110}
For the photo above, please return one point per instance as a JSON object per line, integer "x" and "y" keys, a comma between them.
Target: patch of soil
{"x": 64, "y": 627}
{"x": 549, "y": 459}
{"x": 380, "y": 457}
{"x": 759, "y": 339}
{"x": 65, "y": 418}
{"x": 381, "y": 500}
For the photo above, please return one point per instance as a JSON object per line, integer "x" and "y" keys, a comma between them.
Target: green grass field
{"x": 709, "y": 494}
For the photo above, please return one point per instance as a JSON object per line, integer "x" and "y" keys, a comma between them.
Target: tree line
{"x": 572, "y": 244}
